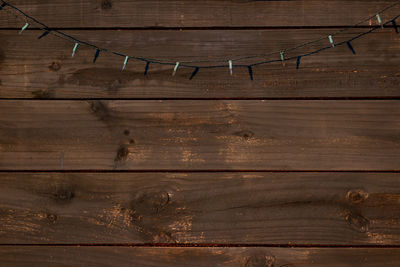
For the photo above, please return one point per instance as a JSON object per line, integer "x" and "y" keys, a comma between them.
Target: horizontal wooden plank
{"x": 199, "y": 135}
{"x": 194, "y": 13}
{"x": 201, "y": 208}
{"x": 249, "y": 257}
{"x": 32, "y": 68}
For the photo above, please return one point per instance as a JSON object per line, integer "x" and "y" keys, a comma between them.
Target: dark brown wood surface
{"x": 50, "y": 72}
{"x": 248, "y": 257}
{"x": 200, "y": 208}
{"x": 200, "y": 135}
{"x": 199, "y": 13}
{"x": 104, "y": 167}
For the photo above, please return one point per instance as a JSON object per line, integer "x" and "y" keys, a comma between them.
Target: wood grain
{"x": 201, "y": 208}
{"x": 32, "y": 68}
{"x": 248, "y": 257}
{"x": 200, "y": 150}
{"x": 195, "y": 13}
{"x": 199, "y": 135}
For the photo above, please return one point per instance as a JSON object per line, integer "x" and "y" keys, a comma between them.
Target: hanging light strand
{"x": 190, "y": 64}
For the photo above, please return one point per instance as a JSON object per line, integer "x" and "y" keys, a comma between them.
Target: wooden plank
{"x": 194, "y": 13}
{"x": 145, "y": 256}
{"x": 199, "y": 135}
{"x": 32, "y": 68}
{"x": 201, "y": 208}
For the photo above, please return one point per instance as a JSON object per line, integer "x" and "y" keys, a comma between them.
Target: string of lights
{"x": 230, "y": 64}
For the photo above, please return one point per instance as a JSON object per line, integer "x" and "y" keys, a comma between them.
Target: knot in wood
{"x": 261, "y": 261}
{"x": 52, "y": 218}
{"x": 42, "y": 93}
{"x": 122, "y": 153}
{"x": 55, "y": 66}
{"x": 357, "y": 196}
{"x": 150, "y": 202}
{"x": 106, "y": 4}
{"x": 115, "y": 85}
{"x": 245, "y": 134}
{"x": 100, "y": 109}
{"x": 64, "y": 195}
{"x": 2, "y": 56}
{"x": 357, "y": 222}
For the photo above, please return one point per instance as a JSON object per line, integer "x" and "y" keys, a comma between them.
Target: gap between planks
{"x": 208, "y": 99}
{"x": 193, "y": 245}
{"x": 213, "y": 28}
{"x": 199, "y": 171}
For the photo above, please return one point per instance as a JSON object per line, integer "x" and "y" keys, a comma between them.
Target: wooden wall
{"x": 100, "y": 167}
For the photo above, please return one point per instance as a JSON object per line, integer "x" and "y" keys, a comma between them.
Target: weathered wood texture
{"x": 248, "y": 257}
{"x": 32, "y": 68}
{"x": 208, "y": 135}
{"x": 208, "y": 208}
{"x": 195, "y": 13}
{"x": 202, "y": 135}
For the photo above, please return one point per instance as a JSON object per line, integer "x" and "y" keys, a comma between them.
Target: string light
{"x": 74, "y": 49}
{"x": 175, "y": 68}
{"x": 96, "y": 55}
{"x": 24, "y": 28}
{"x": 146, "y": 68}
{"x": 395, "y": 25}
{"x": 196, "y": 70}
{"x": 282, "y": 55}
{"x": 45, "y": 33}
{"x": 125, "y": 62}
{"x": 378, "y": 17}
{"x": 189, "y": 64}
{"x": 331, "y": 40}
{"x": 350, "y": 47}
{"x": 298, "y": 59}
{"x": 250, "y": 68}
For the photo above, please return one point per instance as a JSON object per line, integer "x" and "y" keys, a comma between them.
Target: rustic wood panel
{"x": 194, "y": 13}
{"x": 249, "y": 257}
{"x": 32, "y": 68}
{"x": 122, "y": 209}
{"x": 208, "y": 208}
{"x": 206, "y": 135}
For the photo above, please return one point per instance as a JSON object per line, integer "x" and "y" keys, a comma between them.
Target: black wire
{"x": 196, "y": 68}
